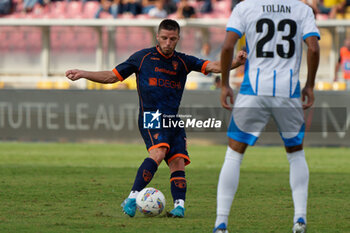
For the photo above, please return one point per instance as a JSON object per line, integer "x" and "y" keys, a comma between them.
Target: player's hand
{"x": 308, "y": 96}
{"x": 226, "y": 92}
{"x": 241, "y": 57}
{"x": 74, "y": 74}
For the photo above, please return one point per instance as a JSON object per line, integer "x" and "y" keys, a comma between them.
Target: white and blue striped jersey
{"x": 275, "y": 30}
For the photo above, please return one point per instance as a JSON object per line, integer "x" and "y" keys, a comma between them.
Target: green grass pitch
{"x": 79, "y": 188}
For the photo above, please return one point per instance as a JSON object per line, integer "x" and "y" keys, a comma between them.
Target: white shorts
{"x": 251, "y": 114}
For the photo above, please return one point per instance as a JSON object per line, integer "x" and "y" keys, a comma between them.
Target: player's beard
{"x": 167, "y": 51}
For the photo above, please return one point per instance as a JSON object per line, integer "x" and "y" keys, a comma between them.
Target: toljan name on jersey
{"x": 276, "y": 8}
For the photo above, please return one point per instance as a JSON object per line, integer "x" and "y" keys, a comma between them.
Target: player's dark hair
{"x": 170, "y": 25}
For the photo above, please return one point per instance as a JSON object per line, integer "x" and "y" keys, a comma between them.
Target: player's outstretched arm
{"x": 95, "y": 76}
{"x": 240, "y": 59}
{"x": 215, "y": 66}
{"x": 313, "y": 57}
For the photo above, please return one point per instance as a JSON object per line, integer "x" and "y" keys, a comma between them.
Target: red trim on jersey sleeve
{"x": 115, "y": 71}
{"x": 205, "y": 66}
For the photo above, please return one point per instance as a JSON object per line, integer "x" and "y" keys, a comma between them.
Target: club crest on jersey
{"x": 151, "y": 120}
{"x": 175, "y": 65}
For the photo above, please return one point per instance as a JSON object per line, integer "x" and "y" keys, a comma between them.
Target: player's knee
{"x": 158, "y": 154}
{"x": 291, "y": 149}
{"x": 296, "y": 155}
{"x": 177, "y": 164}
{"x": 239, "y": 147}
{"x": 233, "y": 155}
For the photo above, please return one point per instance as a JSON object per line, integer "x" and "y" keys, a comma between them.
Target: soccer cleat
{"x": 178, "y": 212}
{"x": 220, "y": 229}
{"x": 299, "y": 226}
{"x": 129, "y": 206}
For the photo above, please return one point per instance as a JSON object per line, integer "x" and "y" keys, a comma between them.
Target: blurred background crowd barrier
{"x": 111, "y": 116}
{"x": 41, "y": 39}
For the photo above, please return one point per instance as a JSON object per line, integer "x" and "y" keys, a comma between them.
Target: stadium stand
{"x": 76, "y": 9}
{"x": 84, "y": 40}
{"x": 90, "y": 9}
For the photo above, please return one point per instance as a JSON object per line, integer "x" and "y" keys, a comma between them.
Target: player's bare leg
{"x": 299, "y": 181}
{"x": 228, "y": 183}
{"x": 178, "y": 187}
{"x": 158, "y": 154}
{"x": 144, "y": 175}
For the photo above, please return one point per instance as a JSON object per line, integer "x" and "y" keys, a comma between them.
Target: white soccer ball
{"x": 150, "y": 202}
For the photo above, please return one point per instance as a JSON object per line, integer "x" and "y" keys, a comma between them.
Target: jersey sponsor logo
{"x": 155, "y": 58}
{"x": 151, "y": 120}
{"x": 175, "y": 65}
{"x": 164, "y": 83}
{"x": 169, "y": 83}
{"x": 162, "y": 70}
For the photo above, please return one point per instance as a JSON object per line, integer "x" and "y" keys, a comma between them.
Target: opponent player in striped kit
{"x": 275, "y": 31}
{"x": 161, "y": 76}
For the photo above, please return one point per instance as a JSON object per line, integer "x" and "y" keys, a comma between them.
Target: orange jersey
{"x": 345, "y": 62}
